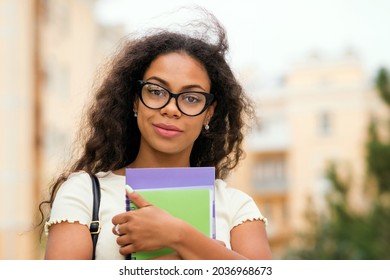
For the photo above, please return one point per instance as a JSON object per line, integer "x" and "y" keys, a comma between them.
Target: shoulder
{"x": 81, "y": 182}
{"x": 239, "y": 205}
{"x": 76, "y": 189}
{"x": 76, "y": 184}
{"x": 80, "y": 177}
{"x": 229, "y": 193}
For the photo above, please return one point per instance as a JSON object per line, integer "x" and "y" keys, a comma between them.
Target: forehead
{"x": 178, "y": 69}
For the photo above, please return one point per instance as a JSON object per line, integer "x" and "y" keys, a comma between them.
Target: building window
{"x": 269, "y": 174}
{"x": 324, "y": 124}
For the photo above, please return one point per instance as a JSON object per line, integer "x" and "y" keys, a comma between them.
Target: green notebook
{"x": 186, "y": 193}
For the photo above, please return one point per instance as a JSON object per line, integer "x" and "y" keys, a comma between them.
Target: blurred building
{"x": 318, "y": 115}
{"x": 49, "y": 53}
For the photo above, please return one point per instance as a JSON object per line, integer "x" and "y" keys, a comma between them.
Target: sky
{"x": 271, "y": 35}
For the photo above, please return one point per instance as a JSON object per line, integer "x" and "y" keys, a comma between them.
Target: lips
{"x": 166, "y": 130}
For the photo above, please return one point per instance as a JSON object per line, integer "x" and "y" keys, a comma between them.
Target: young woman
{"x": 169, "y": 100}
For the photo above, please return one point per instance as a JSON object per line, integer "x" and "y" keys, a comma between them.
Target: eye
{"x": 156, "y": 91}
{"x": 192, "y": 98}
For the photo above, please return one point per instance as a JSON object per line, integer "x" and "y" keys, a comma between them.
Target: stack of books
{"x": 185, "y": 193}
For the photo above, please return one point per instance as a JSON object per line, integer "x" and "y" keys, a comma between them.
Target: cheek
{"x": 196, "y": 128}
{"x": 142, "y": 120}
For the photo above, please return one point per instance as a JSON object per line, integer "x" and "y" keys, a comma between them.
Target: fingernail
{"x": 129, "y": 189}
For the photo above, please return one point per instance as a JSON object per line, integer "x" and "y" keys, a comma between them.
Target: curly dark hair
{"x": 109, "y": 137}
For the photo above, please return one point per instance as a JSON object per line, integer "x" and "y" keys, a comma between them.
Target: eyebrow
{"x": 166, "y": 84}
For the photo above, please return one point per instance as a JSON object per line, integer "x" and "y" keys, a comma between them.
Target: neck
{"x": 156, "y": 162}
{"x": 157, "y": 159}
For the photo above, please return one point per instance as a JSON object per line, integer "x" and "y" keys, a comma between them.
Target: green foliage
{"x": 378, "y": 163}
{"x": 378, "y": 149}
{"x": 383, "y": 85}
{"x": 345, "y": 234}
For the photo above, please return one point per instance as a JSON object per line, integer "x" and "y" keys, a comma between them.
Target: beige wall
{"x": 16, "y": 128}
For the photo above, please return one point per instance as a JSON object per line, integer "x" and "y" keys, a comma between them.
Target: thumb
{"x": 136, "y": 198}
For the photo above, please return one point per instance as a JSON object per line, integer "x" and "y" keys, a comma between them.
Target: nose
{"x": 171, "y": 109}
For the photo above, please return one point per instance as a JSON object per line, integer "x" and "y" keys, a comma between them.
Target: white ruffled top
{"x": 73, "y": 203}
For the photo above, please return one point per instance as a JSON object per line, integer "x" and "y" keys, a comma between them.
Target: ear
{"x": 210, "y": 112}
{"x": 135, "y": 105}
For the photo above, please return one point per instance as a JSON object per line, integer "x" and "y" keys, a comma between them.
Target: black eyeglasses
{"x": 190, "y": 103}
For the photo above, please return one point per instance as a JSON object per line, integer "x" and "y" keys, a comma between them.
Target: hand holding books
{"x": 147, "y": 229}
{"x": 178, "y": 195}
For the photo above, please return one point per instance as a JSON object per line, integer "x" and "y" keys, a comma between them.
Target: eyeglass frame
{"x": 208, "y": 95}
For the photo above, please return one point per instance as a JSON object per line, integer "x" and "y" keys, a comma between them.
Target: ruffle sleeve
{"x": 73, "y": 201}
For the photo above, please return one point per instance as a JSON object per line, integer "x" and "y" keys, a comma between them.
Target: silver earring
{"x": 135, "y": 113}
{"x": 206, "y": 126}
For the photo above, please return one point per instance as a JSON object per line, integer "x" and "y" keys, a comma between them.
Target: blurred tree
{"x": 342, "y": 233}
{"x": 383, "y": 85}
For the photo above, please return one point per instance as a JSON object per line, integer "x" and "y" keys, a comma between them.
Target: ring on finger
{"x": 117, "y": 229}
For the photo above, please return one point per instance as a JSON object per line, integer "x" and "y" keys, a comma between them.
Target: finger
{"x": 124, "y": 240}
{"x": 136, "y": 198}
{"x": 127, "y": 249}
{"x": 120, "y": 218}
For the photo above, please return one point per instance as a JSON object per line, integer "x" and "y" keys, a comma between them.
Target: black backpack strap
{"x": 94, "y": 227}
